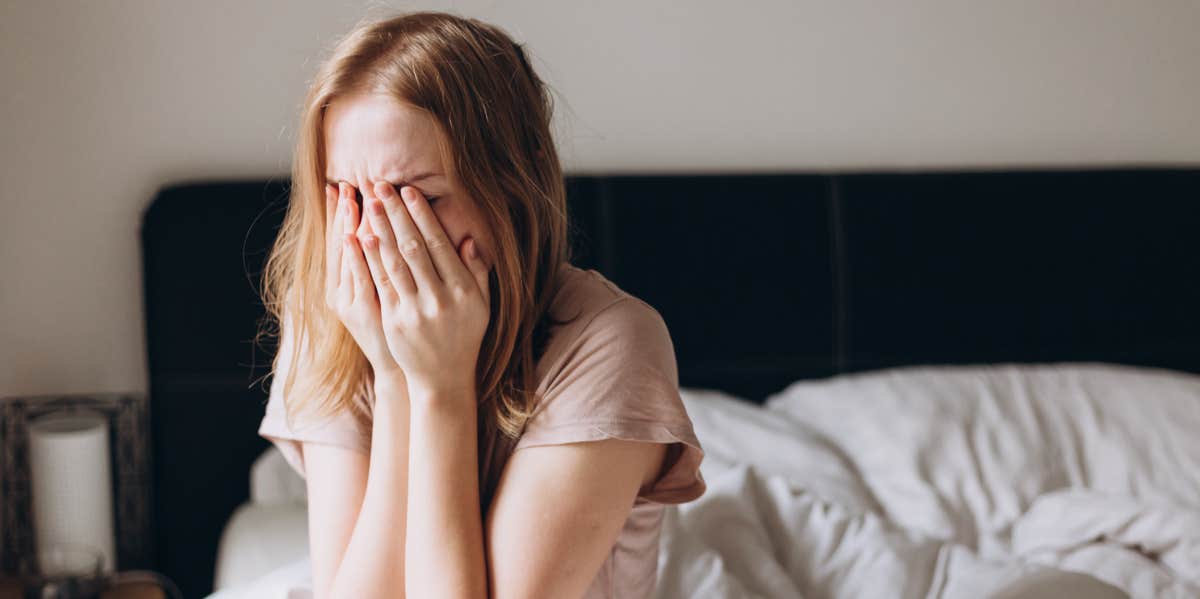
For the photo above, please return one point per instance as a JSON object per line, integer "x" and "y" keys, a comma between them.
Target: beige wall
{"x": 101, "y": 103}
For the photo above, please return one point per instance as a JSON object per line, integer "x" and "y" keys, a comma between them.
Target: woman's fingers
{"x": 444, "y": 255}
{"x": 408, "y": 239}
{"x": 348, "y": 224}
{"x": 349, "y": 220}
{"x": 479, "y": 270}
{"x": 333, "y": 249}
{"x": 392, "y": 263}
{"x": 383, "y": 283}
{"x": 345, "y": 288}
{"x": 358, "y": 269}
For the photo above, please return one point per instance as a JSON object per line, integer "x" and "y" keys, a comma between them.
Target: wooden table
{"x": 10, "y": 588}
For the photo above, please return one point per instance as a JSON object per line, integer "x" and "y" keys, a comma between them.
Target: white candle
{"x": 71, "y": 480}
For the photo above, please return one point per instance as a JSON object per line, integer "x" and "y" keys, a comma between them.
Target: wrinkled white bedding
{"x": 1073, "y": 479}
{"x": 938, "y": 482}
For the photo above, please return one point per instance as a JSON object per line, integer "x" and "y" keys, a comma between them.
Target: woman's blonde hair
{"x": 477, "y": 85}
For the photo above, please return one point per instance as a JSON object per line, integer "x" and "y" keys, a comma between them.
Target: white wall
{"x": 101, "y": 103}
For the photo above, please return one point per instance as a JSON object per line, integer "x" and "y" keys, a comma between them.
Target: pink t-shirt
{"x": 610, "y": 373}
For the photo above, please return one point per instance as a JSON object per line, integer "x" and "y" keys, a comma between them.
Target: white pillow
{"x": 274, "y": 481}
{"x": 959, "y": 452}
{"x": 257, "y": 539}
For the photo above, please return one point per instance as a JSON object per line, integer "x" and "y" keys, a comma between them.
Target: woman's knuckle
{"x": 434, "y": 308}
{"x": 408, "y": 317}
{"x": 411, "y": 246}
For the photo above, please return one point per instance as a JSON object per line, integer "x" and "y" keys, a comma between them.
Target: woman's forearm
{"x": 373, "y": 564}
{"x": 445, "y": 553}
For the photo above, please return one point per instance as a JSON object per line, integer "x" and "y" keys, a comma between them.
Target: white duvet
{"x": 1023, "y": 481}
{"x": 1076, "y": 480}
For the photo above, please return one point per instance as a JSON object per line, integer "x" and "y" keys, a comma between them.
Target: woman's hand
{"x": 434, "y": 298}
{"x": 348, "y": 287}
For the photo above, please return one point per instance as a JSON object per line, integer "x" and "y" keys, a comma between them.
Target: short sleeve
{"x": 618, "y": 379}
{"x": 342, "y": 430}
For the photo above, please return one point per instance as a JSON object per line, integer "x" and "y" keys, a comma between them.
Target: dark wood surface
{"x": 12, "y": 588}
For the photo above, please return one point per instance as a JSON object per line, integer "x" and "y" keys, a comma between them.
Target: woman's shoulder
{"x": 612, "y": 333}
{"x": 590, "y": 293}
{"x": 611, "y": 374}
{"x": 600, "y": 311}
{"x": 584, "y": 291}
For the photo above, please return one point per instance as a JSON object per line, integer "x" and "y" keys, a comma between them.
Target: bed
{"x": 903, "y": 378}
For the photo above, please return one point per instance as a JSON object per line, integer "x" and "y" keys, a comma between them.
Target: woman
{"x": 473, "y": 415}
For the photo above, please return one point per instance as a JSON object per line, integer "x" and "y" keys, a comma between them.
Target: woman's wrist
{"x": 441, "y": 396}
{"x": 390, "y": 384}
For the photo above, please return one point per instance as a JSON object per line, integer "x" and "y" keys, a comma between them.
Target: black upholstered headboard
{"x": 763, "y": 279}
